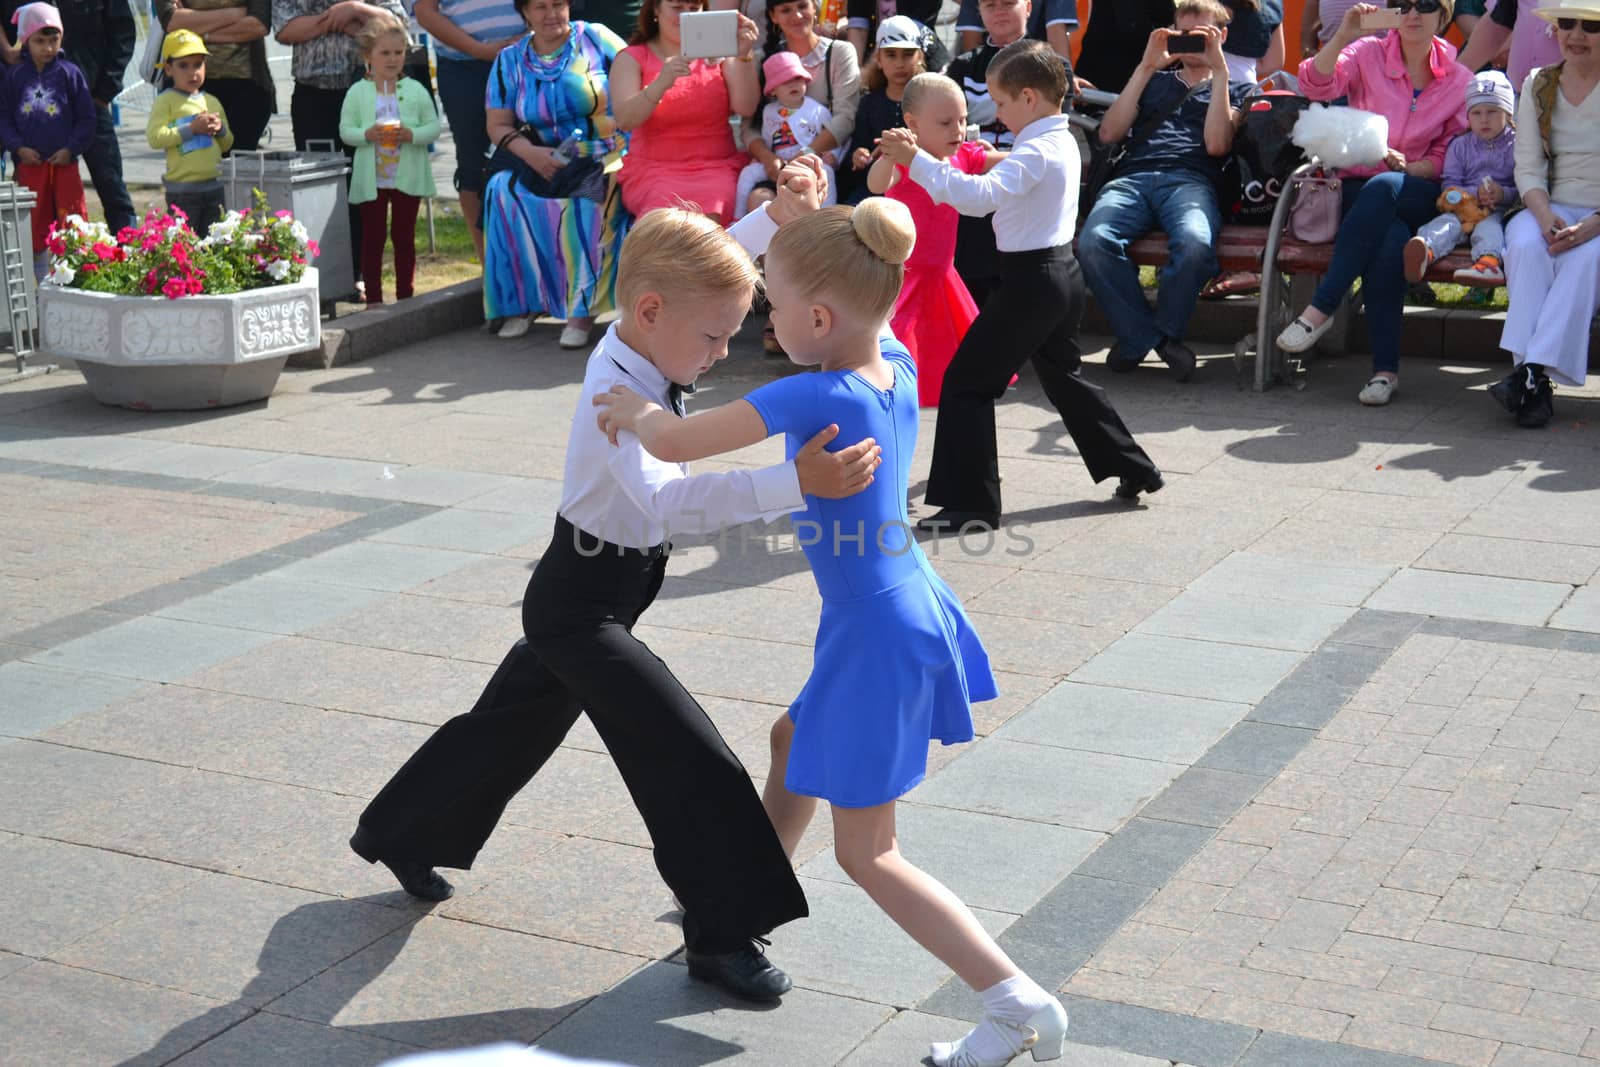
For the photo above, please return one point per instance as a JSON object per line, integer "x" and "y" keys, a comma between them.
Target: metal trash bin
{"x": 19, "y": 325}
{"x": 314, "y": 188}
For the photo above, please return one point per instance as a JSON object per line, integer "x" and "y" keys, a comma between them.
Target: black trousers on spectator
{"x": 104, "y": 160}
{"x": 314, "y": 115}
{"x": 1033, "y": 315}
{"x": 713, "y": 843}
{"x": 248, "y": 107}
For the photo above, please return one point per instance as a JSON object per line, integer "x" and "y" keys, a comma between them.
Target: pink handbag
{"x": 1318, "y": 202}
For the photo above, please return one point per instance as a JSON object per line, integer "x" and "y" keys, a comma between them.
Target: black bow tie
{"x": 675, "y": 395}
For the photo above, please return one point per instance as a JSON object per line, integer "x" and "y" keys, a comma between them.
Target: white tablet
{"x": 709, "y": 34}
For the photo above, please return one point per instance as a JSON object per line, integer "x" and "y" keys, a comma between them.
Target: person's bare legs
{"x": 790, "y": 812}
{"x": 1018, "y": 1013}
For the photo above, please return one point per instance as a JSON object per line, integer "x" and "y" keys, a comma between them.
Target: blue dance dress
{"x": 897, "y": 662}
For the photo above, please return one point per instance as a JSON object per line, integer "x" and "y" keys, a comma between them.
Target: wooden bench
{"x": 1286, "y": 288}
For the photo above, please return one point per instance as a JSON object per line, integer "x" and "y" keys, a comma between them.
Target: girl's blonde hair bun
{"x": 886, "y": 228}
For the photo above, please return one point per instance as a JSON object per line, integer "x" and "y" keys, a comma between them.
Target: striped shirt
{"x": 486, "y": 21}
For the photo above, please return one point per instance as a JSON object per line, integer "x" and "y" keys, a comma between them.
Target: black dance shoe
{"x": 1129, "y": 488}
{"x": 745, "y": 972}
{"x": 955, "y": 521}
{"x": 414, "y": 876}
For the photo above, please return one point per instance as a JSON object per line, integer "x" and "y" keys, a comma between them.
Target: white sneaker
{"x": 1378, "y": 390}
{"x": 572, "y": 337}
{"x": 1300, "y": 335}
{"x": 516, "y": 326}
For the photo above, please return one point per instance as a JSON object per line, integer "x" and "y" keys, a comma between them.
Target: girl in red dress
{"x": 934, "y": 309}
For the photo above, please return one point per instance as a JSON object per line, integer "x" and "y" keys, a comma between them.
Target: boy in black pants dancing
{"x": 1035, "y": 312}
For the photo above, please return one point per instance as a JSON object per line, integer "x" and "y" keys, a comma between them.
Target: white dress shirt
{"x": 622, "y": 494}
{"x": 1033, "y": 192}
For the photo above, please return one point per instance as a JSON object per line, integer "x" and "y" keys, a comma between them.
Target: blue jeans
{"x": 1381, "y": 214}
{"x": 104, "y": 160}
{"x": 1182, "y": 204}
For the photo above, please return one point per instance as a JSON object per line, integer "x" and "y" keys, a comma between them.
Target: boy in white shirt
{"x": 1034, "y": 314}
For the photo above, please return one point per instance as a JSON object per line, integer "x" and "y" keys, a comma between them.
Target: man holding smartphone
{"x": 1178, "y": 122}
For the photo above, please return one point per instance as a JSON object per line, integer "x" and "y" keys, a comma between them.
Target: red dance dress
{"x": 934, "y": 309}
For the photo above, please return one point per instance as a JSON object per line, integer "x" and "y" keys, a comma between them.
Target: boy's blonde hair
{"x": 1214, "y": 10}
{"x": 925, "y": 86}
{"x": 856, "y": 256}
{"x": 380, "y": 28}
{"x": 681, "y": 255}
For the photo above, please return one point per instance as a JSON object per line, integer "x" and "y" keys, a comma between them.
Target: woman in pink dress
{"x": 681, "y": 152}
{"x": 934, "y": 309}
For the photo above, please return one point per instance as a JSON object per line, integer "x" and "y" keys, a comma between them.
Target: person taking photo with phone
{"x": 1174, "y": 126}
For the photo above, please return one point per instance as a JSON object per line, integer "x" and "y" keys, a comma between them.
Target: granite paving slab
{"x": 10, "y": 964}
{"x": 54, "y": 1014}
{"x": 1468, "y": 596}
{"x": 1250, "y": 574}
{"x": 271, "y": 604}
{"x": 266, "y": 1040}
{"x": 152, "y": 649}
{"x": 1259, "y": 621}
{"x": 370, "y": 565}
{"x": 1123, "y": 722}
{"x": 232, "y": 938}
{"x": 1208, "y": 669}
{"x": 849, "y": 947}
{"x": 484, "y": 531}
{"x": 55, "y": 894}
{"x": 940, "y": 840}
{"x": 659, "y": 1015}
{"x": 1088, "y": 790}
{"x": 34, "y": 698}
{"x": 518, "y": 987}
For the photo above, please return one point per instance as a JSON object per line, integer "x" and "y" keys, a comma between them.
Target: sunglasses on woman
{"x": 1421, "y": 7}
{"x": 1589, "y": 25}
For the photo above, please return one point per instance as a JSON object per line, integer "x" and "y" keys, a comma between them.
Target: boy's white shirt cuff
{"x": 777, "y": 490}
{"x": 755, "y": 231}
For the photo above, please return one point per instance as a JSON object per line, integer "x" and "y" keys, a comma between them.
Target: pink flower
{"x": 314, "y": 248}
{"x": 126, "y": 235}
{"x": 174, "y": 289}
{"x": 150, "y": 282}
{"x": 280, "y": 214}
{"x": 194, "y": 285}
{"x": 56, "y": 245}
{"x": 104, "y": 251}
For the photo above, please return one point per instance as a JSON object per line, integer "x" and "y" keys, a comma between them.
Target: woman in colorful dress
{"x": 554, "y": 255}
{"x": 678, "y": 111}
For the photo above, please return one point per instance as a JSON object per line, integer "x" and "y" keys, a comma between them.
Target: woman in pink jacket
{"x": 1411, "y": 77}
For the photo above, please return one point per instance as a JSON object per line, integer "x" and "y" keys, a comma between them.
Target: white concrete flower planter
{"x": 155, "y": 354}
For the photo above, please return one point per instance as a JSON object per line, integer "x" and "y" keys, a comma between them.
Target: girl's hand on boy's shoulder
{"x": 621, "y": 409}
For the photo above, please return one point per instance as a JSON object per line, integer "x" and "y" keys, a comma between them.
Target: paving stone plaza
{"x": 1296, "y": 764}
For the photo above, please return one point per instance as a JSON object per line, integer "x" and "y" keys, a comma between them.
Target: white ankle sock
{"x": 1014, "y": 1000}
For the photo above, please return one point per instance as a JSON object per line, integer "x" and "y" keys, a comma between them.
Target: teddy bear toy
{"x": 1463, "y": 205}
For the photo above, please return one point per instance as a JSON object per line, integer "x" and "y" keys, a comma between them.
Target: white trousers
{"x": 1444, "y": 233}
{"x": 755, "y": 173}
{"x": 1553, "y": 297}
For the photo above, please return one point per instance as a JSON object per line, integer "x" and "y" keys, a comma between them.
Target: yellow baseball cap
{"x": 182, "y": 43}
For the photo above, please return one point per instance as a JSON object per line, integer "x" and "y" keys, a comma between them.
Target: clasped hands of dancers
{"x": 857, "y": 733}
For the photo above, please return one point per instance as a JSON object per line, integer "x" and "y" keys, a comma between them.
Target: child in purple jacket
{"x": 1480, "y": 164}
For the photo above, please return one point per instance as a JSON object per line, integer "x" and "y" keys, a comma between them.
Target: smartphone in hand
{"x": 1387, "y": 19}
{"x": 1186, "y": 44}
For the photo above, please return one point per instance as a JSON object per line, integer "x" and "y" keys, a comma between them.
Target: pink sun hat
{"x": 31, "y": 18}
{"x": 783, "y": 66}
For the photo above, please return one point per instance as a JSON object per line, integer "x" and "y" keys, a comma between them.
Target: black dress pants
{"x": 714, "y": 845}
{"x": 1033, "y": 315}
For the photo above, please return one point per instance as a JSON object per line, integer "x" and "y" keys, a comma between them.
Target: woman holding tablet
{"x": 677, "y": 109}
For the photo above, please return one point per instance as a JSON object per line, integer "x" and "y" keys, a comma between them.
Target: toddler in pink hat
{"x": 47, "y": 120}
{"x": 790, "y": 121}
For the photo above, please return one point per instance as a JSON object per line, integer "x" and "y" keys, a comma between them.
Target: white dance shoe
{"x": 516, "y": 326}
{"x": 1044, "y": 1036}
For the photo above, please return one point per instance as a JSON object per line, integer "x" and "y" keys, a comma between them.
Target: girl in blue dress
{"x": 857, "y": 735}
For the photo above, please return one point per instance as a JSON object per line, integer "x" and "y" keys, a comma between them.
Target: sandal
{"x": 1300, "y": 335}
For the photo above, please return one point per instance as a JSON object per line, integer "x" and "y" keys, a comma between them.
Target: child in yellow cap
{"x": 191, "y": 125}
